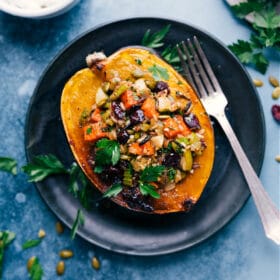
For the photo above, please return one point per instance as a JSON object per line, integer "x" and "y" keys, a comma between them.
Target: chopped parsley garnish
{"x": 171, "y": 173}
{"x": 6, "y": 237}
{"x": 138, "y": 61}
{"x": 159, "y": 72}
{"x": 8, "y": 165}
{"x": 36, "y": 271}
{"x": 89, "y": 130}
{"x": 147, "y": 189}
{"x": 31, "y": 243}
{"x": 77, "y": 177}
{"x": 151, "y": 173}
{"x": 79, "y": 221}
{"x": 155, "y": 40}
{"x": 107, "y": 153}
{"x": 42, "y": 166}
{"x": 113, "y": 191}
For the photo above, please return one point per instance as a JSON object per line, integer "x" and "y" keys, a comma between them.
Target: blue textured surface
{"x": 238, "y": 251}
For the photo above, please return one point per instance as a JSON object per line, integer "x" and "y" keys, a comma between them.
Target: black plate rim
{"x": 218, "y": 226}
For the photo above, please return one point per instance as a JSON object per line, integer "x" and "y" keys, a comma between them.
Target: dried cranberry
{"x": 171, "y": 159}
{"x": 122, "y": 136}
{"x": 275, "y": 110}
{"x": 135, "y": 199}
{"x": 117, "y": 110}
{"x": 137, "y": 117}
{"x": 160, "y": 86}
{"x": 191, "y": 121}
{"x": 188, "y": 204}
{"x": 111, "y": 175}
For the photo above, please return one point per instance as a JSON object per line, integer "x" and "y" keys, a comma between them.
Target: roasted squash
{"x": 155, "y": 118}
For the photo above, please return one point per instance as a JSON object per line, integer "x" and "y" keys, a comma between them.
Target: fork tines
{"x": 197, "y": 69}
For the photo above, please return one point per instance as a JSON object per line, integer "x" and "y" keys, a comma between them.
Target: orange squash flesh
{"x": 79, "y": 96}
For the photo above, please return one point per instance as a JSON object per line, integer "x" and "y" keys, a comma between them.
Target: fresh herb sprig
{"x": 8, "y": 165}
{"x": 266, "y": 33}
{"x": 148, "y": 175}
{"x": 79, "y": 221}
{"x": 169, "y": 54}
{"x": 36, "y": 271}
{"x": 107, "y": 153}
{"x": 155, "y": 40}
{"x": 43, "y": 166}
{"x": 113, "y": 191}
{"x": 6, "y": 237}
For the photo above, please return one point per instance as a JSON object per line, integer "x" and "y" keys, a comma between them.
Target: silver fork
{"x": 213, "y": 99}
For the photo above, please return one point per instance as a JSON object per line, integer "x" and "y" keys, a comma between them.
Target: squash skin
{"x": 79, "y": 94}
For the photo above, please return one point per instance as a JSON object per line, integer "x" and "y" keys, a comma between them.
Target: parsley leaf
{"x": 6, "y": 237}
{"x": 79, "y": 221}
{"x": 247, "y": 55}
{"x": 155, "y": 40}
{"x": 113, "y": 191}
{"x": 159, "y": 72}
{"x": 170, "y": 54}
{"x": 8, "y": 165}
{"x": 147, "y": 189}
{"x": 42, "y": 166}
{"x": 266, "y": 26}
{"x": 36, "y": 271}
{"x": 151, "y": 173}
{"x": 171, "y": 173}
{"x": 31, "y": 243}
{"x": 108, "y": 152}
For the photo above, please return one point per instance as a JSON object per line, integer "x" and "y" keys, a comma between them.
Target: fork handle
{"x": 268, "y": 212}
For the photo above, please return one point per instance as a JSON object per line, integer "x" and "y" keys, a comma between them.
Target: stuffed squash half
{"x": 138, "y": 131}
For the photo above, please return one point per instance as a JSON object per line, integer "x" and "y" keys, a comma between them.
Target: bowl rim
{"x": 35, "y": 13}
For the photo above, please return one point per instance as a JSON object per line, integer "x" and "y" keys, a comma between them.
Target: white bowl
{"x": 56, "y": 9}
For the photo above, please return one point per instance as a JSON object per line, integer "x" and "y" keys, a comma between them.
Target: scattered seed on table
{"x": 277, "y": 158}
{"x": 41, "y": 233}
{"x": 30, "y": 262}
{"x": 59, "y": 227}
{"x": 273, "y": 81}
{"x": 276, "y": 93}
{"x": 95, "y": 263}
{"x": 66, "y": 254}
{"x": 60, "y": 268}
{"x": 258, "y": 82}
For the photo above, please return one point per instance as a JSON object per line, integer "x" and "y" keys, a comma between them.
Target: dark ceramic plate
{"x": 115, "y": 228}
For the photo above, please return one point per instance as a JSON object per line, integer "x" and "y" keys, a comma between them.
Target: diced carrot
{"x": 175, "y": 126}
{"x": 146, "y": 149}
{"x": 129, "y": 99}
{"x": 96, "y": 116}
{"x": 93, "y": 132}
{"x": 184, "y": 130}
{"x": 149, "y": 108}
{"x": 135, "y": 149}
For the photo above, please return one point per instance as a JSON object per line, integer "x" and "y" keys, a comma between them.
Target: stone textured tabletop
{"x": 238, "y": 251}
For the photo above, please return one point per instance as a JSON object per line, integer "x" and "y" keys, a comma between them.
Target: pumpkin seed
{"x": 60, "y": 268}
{"x": 276, "y": 93}
{"x": 273, "y": 81}
{"x": 41, "y": 233}
{"x": 59, "y": 227}
{"x": 30, "y": 262}
{"x": 66, "y": 254}
{"x": 277, "y": 158}
{"x": 95, "y": 263}
{"x": 258, "y": 82}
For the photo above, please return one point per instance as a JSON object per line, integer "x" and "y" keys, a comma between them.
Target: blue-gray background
{"x": 238, "y": 251}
